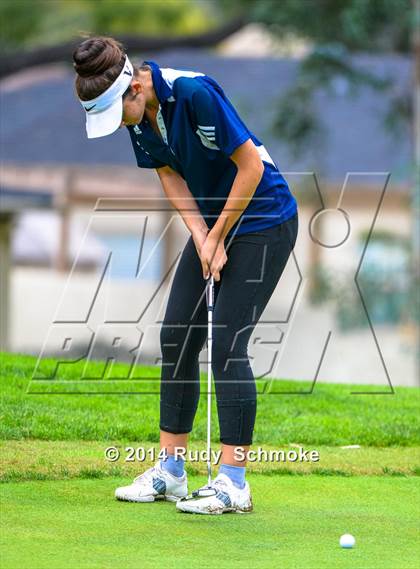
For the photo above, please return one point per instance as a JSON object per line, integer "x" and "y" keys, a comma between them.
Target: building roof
{"x": 42, "y": 122}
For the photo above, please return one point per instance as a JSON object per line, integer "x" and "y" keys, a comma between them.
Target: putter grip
{"x": 210, "y": 294}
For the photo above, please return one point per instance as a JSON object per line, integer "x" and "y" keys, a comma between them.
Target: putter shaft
{"x": 210, "y": 306}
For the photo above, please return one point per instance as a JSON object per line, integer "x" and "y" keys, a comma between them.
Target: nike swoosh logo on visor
{"x": 90, "y": 108}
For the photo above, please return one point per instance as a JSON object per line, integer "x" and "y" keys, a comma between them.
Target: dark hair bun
{"x": 95, "y": 56}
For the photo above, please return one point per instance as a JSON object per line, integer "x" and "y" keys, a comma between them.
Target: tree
{"x": 17, "y": 25}
{"x": 36, "y": 23}
{"x": 35, "y": 32}
{"x": 336, "y": 29}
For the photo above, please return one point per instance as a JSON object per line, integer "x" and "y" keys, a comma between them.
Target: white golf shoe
{"x": 154, "y": 484}
{"x": 222, "y": 496}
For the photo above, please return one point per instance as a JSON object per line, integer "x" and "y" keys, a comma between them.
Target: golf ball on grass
{"x": 347, "y": 541}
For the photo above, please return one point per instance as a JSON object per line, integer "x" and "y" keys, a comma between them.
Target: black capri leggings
{"x": 247, "y": 281}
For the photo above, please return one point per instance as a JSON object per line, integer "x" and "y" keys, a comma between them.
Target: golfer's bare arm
{"x": 181, "y": 198}
{"x": 250, "y": 171}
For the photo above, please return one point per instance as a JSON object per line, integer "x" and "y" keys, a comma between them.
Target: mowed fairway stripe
{"x": 296, "y": 524}
{"x": 34, "y": 460}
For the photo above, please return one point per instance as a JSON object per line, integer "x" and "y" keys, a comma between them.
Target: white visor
{"x": 104, "y": 113}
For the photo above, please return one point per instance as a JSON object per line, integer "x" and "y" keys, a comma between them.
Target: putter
{"x": 207, "y": 490}
{"x": 210, "y": 305}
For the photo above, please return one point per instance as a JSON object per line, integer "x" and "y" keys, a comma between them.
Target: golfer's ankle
{"x": 235, "y": 473}
{"x": 174, "y": 466}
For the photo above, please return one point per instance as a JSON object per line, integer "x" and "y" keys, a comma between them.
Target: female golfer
{"x": 243, "y": 223}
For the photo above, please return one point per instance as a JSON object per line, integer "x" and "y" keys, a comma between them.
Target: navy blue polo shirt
{"x": 200, "y": 129}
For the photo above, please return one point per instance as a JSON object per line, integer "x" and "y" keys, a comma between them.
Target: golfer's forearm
{"x": 243, "y": 188}
{"x": 182, "y": 199}
{"x": 248, "y": 176}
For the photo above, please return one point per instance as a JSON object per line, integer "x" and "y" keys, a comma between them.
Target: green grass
{"x": 330, "y": 416}
{"x": 296, "y": 524}
{"x": 57, "y": 503}
{"x": 55, "y": 460}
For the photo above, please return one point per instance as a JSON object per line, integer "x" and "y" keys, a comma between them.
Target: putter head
{"x": 200, "y": 493}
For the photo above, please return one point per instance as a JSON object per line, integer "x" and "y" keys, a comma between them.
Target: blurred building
{"x": 44, "y": 149}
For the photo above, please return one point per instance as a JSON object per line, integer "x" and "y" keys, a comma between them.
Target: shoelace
{"x": 147, "y": 475}
{"x": 219, "y": 484}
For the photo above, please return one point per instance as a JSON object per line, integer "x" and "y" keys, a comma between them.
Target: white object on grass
{"x": 347, "y": 541}
{"x": 154, "y": 484}
{"x": 223, "y": 496}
